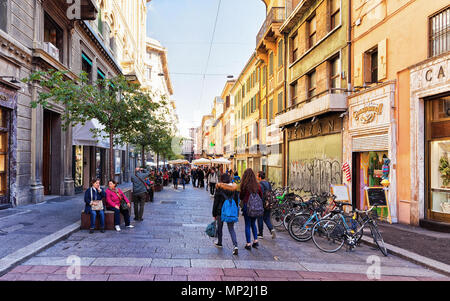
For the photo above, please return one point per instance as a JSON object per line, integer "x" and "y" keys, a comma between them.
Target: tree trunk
{"x": 157, "y": 160}
{"x": 111, "y": 156}
{"x": 143, "y": 156}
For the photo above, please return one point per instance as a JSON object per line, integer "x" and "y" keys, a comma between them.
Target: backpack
{"x": 230, "y": 211}
{"x": 211, "y": 229}
{"x": 267, "y": 195}
{"x": 255, "y": 206}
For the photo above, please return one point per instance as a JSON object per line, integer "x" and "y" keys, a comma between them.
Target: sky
{"x": 185, "y": 28}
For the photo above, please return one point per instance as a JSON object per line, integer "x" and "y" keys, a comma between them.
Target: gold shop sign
{"x": 367, "y": 114}
{"x": 3, "y": 97}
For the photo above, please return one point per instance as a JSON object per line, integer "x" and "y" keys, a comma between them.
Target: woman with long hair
{"x": 94, "y": 204}
{"x": 249, "y": 185}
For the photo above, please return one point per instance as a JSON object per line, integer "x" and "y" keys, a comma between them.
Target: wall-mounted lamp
{"x": 314, "y": 120}
{"x": 13, "y": 79}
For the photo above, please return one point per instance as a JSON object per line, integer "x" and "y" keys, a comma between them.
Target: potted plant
{"x": 444, "y": 169}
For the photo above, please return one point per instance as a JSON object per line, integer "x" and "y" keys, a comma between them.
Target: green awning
{"x": 86, "y": 59}
{"x": 101, "y": 74}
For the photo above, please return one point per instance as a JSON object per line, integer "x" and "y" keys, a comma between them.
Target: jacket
{"x": 112, "y": 200}
{"x": 224, "y": 192}
{"x": 95, "y": 197}
{"x": 138, "y": 186}
{"x": 212, "y": 178}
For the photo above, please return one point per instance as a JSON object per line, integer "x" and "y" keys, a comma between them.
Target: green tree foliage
{"x": 118, "y": 105}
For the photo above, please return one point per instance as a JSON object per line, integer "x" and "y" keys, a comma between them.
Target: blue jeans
{"x": 230, "y": 229}
{"x": 250, "y": 222}
{"x": 101, "y": 214}
{"x": 117, "y": 212}
{"x": 266, "y": 219}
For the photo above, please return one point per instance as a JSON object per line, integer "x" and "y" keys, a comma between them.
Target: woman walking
{"x": 117, "y": 201}
{"x": 225, "y": 191}
{"x": 94, "y": 204}
{"x": 212, "y": 180}
{"x": 249, "y": 185}
{"x": 183, "y": 177}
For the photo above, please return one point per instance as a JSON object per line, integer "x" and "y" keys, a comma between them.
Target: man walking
{"x": 265, "y": 219}
{"x": 194, "y": 177}
{"x": 175, "y": 177}
{"x": 139, "y": 192}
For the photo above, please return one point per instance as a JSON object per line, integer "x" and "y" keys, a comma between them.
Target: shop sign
{"x": 306, "y": 129}
{"x": 367, "y": 114}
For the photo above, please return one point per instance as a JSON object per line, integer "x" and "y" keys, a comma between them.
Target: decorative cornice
{"x": 14, "y": 50}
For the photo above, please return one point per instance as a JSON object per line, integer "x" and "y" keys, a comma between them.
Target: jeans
{"x": 266, "y": 219}
{"x": 175, "y": 183}
{"x": 139, "y": 204}
{"x": 117, "y": 212}
{"x": 250, "y": 222}
{"x": 183, "y": 182}
{"x": 101, "y": 214}
{"x": 230, "y": 229}
{"x": 212, "y": 187}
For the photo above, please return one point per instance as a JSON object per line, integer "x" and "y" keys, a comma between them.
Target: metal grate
{"x": 371, "y": 143}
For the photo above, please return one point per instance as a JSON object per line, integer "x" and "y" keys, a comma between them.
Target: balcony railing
{"x": 276, "y": 15}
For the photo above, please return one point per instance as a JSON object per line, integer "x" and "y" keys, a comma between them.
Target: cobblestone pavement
{"x": 170, "y": 244}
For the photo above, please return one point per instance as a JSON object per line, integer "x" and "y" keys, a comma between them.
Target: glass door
{"x": 78, "y": 167}
{"x": 4, "y": 160}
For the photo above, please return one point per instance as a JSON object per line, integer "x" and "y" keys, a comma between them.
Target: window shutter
{"x": 382, "y": 59}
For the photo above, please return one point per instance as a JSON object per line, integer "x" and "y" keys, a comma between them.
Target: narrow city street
{"x": 170, "y": 244}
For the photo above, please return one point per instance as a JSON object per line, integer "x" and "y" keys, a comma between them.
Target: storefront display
{"x": 438, "y": 137}
{"x": 78, "y": 167}
{"x": 4, "y": 150}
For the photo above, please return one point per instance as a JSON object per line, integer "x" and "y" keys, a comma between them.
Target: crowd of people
{"x": 226, "y": 187}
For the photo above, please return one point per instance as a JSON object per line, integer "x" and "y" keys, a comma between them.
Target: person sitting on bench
{"x": 94, "y": 204}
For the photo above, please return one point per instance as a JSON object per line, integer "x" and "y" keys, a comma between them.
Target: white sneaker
{"x": 130, "y": 226}
{"x": 273, "y": 234}
{"x": 117, "y": 228}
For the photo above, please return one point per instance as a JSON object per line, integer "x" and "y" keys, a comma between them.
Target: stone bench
{"x": 109, "y": 215}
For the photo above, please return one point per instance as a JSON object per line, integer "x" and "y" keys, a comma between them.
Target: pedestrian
{"x": 117, "y": 201}
{"x": 194, "y": 177}
{"x": 166, "y": 178}
{"x": 225, "y": 191}
{"x": 249, "y": 186}
{"x": 140, "y": 193}
{"x": 207, "y": 172}
{"x": 212, "y": 180}
{"x": 175, "y": 177}
{"x": 266, "y": 188}
{"x": 94, "y": 204}
{"x": 183, "y": 177}
{"x": 201, "y": 178}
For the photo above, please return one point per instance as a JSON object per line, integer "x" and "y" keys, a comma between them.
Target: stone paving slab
{"x": 164, "y": 246}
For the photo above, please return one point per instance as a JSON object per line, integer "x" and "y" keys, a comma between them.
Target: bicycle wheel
{"x": 276, "y": 217}
{"x": 300, "y": 227}
{"x": 328, "y": 235}
{"x": 378, "y": 239}
{"x": 286, "y": 220}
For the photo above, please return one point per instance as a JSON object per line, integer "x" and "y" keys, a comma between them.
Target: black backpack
{"x": 267, "y": 195}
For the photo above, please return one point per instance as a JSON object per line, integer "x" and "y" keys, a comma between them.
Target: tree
{"x": 118, "y": 105}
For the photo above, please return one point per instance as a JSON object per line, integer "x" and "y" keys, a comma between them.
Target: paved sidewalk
{"x": 430, "y": 244}
{"x": 26, "y": 229}
{"x": 171, "y": 240}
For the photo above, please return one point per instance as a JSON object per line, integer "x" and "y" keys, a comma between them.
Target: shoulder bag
{"x": 99, "y": 203}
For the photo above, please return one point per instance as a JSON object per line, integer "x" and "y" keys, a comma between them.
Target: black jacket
{"x": 224, "y": 192}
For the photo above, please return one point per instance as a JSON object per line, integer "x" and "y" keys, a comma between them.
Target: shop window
{"x": 3, "y": 14}
{"x": 294, "y": 93}
{"x": 312, "y": 32}
{"x": 439, "y": 30}
{"x": 438, "y": 136}
{"x": 312, "y": 84}
{"x": 334, "y": 73}
{"x": 371, "y": 66}
{"x": 4, "y": 149}
{"x": 53, "y": 38}
{"x": 335, "y": 13}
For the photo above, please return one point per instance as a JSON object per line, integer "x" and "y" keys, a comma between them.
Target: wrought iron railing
{"x": 275, "y": 15}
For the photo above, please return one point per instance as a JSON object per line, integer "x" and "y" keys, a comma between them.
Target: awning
{"x": 82, "y": 135}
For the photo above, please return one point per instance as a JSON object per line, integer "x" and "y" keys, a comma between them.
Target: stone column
{"x": 36, "y": 187}
{"x": 69, "y": 184}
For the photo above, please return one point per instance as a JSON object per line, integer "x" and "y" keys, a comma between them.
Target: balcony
{"x": 324, "y": 103}
{"x": 276, "y": 16}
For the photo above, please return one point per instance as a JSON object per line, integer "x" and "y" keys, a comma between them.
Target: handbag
{"x": 99, "y": 205}
{"x": 211, "y": 229}
{"x": 123, "y": 203}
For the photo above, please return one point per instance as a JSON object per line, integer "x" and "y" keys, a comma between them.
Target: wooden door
{"x": 46, "y": 150}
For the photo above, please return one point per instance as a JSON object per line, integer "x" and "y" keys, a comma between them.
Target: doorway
{"x": 51, "y": 153}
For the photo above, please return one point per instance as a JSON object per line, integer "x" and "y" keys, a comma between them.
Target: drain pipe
{"x": 349, "y": 46}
